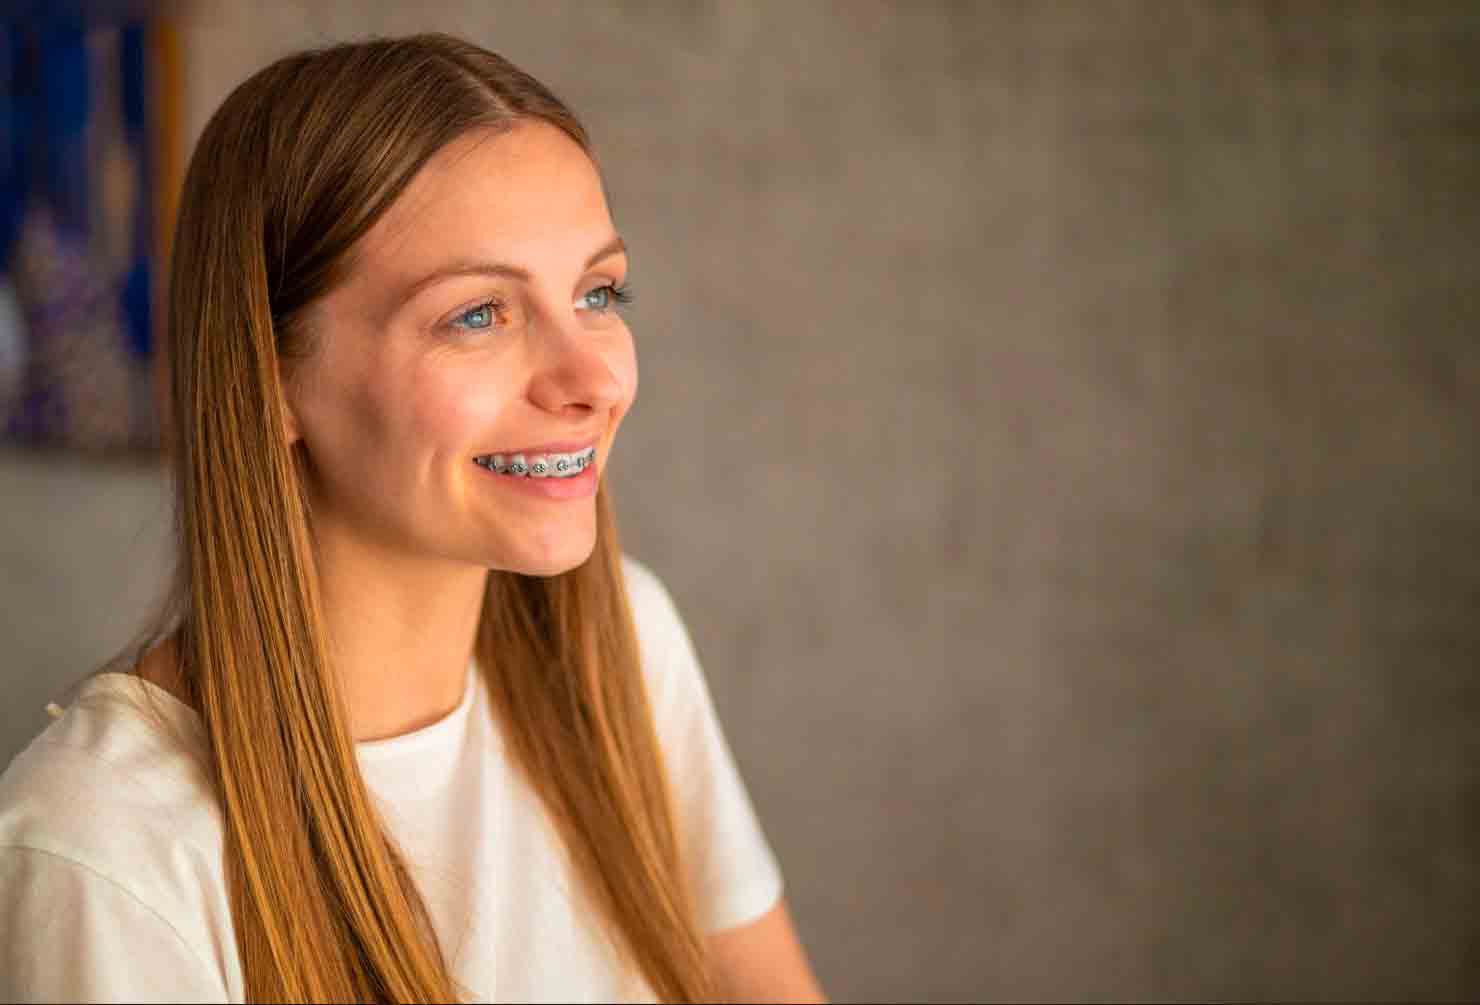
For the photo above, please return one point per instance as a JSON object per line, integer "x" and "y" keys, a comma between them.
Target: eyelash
{"x": 620, "y": 295}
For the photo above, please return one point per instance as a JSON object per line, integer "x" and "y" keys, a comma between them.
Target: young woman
{"x": 415, "y": 728}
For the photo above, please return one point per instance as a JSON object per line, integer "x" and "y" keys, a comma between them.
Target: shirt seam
{"x": 200, "y": 962}
{"x": 113, "y": 766}
{"x": 118, "y": 775}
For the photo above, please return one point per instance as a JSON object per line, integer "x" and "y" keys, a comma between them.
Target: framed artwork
{"x": 89, "y": 112}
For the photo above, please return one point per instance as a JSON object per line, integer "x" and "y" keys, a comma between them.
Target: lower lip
{"x": 579, "y": 487}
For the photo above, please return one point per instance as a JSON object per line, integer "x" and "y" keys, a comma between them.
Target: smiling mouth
{"x": 550, "y": 465}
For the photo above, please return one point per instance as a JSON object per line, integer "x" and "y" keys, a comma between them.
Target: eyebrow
{"x": 476, "y": 267}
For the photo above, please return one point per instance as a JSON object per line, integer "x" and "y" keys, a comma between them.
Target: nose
{"x": 574, "y": 365}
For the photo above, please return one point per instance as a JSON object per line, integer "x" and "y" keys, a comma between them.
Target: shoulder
{"x": 735, "y": 872}
{"x": 677, "y": 685}
{"x": 645, "y": 591}
{"x": 667, "y": 649}
{"x": 106, "y": 795}
{"x": 107, "y": 757}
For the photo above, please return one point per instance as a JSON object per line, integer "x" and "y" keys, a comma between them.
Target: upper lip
{"x": 560, "y": 447}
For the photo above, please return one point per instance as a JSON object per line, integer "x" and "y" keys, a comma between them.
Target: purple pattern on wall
{"x": 75, "y": 242}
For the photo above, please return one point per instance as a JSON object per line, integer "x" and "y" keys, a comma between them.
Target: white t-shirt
{"x": 111, "y": 881}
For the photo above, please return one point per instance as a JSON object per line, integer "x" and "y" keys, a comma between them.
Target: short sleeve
{"x": 69, "y": 934}
{"x": 735, "y": 872}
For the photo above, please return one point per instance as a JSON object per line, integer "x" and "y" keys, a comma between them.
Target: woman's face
{"x": 479, "y": 318}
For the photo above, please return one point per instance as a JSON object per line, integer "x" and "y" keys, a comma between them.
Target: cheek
{"x": 374, "y": 421}
{"x": 623, "y": 364}
{"x": 451, "y": 409}
{"x": 338, "y": 415}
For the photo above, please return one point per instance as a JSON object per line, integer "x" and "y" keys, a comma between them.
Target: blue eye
{"x": 477, "y": 318}
{"x": 603, "y": 297}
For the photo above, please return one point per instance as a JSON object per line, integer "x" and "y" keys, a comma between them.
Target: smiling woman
{"x": 413, "y": 727}
{"x": 471, "y": 325}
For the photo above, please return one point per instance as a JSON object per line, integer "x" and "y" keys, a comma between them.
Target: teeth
{"x": 540, "y": 465}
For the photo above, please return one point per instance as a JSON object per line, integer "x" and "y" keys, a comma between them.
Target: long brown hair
{"x": 297, "y": 165}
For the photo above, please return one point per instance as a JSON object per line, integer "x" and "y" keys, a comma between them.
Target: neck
{"x": 401, "y": 633}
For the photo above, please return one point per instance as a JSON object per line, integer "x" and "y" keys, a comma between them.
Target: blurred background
{"x": 1058, "y": 428}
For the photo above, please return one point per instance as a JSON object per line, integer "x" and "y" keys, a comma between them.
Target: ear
{"x": 288, "y": 417}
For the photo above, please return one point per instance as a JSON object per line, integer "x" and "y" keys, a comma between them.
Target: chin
{"x": 551, "y": 561}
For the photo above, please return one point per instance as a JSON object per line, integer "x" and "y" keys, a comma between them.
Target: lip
{"x": 578, "y": 487}
{"x": 562, "y": 447}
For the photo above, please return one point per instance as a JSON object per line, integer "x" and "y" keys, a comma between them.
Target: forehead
{"x": 519, "y": 196}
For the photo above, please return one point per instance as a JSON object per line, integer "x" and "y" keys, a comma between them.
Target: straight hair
{"x": 295, "y": 167}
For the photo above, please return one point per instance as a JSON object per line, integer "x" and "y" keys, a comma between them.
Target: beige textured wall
{"x": 1058, "y": 427}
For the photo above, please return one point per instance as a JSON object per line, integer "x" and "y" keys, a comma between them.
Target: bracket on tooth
{"x": 564, "y": 464}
